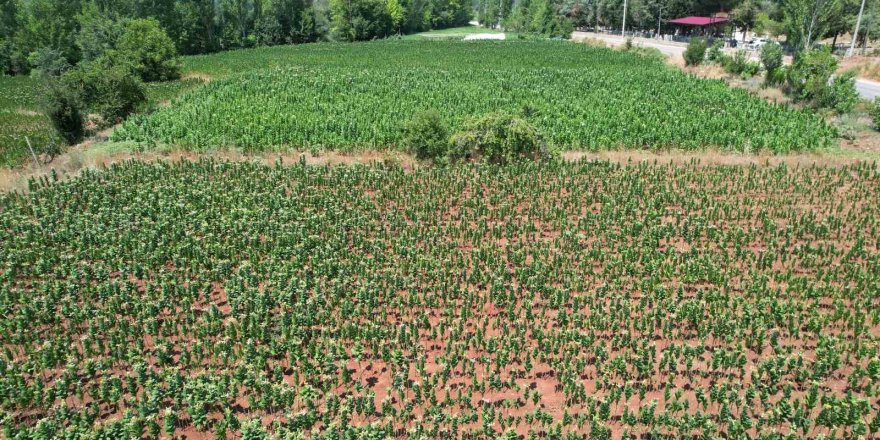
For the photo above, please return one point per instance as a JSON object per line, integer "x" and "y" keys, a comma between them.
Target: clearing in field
{"x": 541, "y": 300}
{"x": 359, "y": 96}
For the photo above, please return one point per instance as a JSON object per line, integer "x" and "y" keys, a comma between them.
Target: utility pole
{"x": 852, "y": 44}
{"x": 623, "y": 31}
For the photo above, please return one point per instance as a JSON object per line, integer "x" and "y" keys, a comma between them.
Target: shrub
{"x": 13, "y": 61}
{"x": 63, "y": 105}
{"x": 840, "y": 95}
{"x": 771, "y": 57}
{"x": 874, "y": 111}
{"x": 98, "y": 32}
{"x": 425, "y": 136}
{"x": 777, "y": 76}
{"x": 739, "y": 64}
{"x": 150, "y": 51}
{"x": 695, "y": 52}
{"x": 810, "y": 73}
{"x": 498, "y": 138}
{"x": 716, "y": 52}
{"x": 48, "y": 62}
{"x": 111, "y": 90}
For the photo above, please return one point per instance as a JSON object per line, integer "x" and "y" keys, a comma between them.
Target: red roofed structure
{"x": 699, "y": 21}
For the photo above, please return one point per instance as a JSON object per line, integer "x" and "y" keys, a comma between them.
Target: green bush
{"x": 810, "y": 73}
{"x": 695, "y": 52}
{"x": 425, "y": 136}
{"x": 777, "y": 76}
{"x": 108, "y": 89}
{"x": 874, "y": 111}
{"x": 840, "y": 95}
{"x": 716, "y": 52}
{"x": 739, "y": 64}
{"x": 48, "y": 62}
{"x": 146, "y": 46}
{"x": 771, "y": 57}
{"x": 809, "y": 79}
{"x": 498, "y": 138}
{"x": 63, "y": 105}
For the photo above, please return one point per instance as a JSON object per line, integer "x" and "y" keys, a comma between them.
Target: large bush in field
{"x": 840, "y": 94}
{"x": 771, "y": 56}
{"x": 425, "y": 136}
{"x": 63, "y": 105}
{"x": 498, "y": 138}
{"x": 149, "y": 50}
{"x": 108, "y": 89}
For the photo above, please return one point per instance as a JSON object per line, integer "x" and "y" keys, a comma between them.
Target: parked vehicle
{"x": 757, "y": 43}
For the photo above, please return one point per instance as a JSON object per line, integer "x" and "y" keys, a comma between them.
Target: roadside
{"x": 867, "y": 88}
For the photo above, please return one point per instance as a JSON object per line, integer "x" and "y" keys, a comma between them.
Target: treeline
{"x": 543, "y": 17}
{"x": 73, "y": 27}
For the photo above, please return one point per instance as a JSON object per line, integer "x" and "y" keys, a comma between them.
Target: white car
{"x": 757, "y": 43}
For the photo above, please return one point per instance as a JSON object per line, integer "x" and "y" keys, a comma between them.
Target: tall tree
{"x": 807, "y": 21}
{"x": 53, "y": 24}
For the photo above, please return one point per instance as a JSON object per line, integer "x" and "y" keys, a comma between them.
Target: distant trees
{"x": 83, "y": 30}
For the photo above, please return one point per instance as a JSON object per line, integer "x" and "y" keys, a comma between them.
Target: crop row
{"x": 557, "y": 300}
{"x": 337, "y": 97}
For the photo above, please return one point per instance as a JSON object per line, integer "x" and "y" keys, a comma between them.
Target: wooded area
{"x": 81, "y": 28}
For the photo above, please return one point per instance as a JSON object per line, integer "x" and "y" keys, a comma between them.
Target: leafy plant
{"x": 425, "y": 136}
{"x": 498, "y": 138}
{"x": 716, "y": 52}
{"x": 110, "y": 90}
{"x": 841, "y": 94}
{"x": 771, "y": 57}
{"x": 63, "y": 105}
{"x": 148, "y": 49}
{"x": 695, "y": 53}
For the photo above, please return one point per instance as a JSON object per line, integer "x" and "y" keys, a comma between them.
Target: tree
{"x": 99, "y": 31}
{"x": 807, "y": 21}
{"x": 745, "y": 15}
{"x": 396, "y": 12}
{"x": 53, "y": 24}
{"x": 358, "y": 20}
{"x": 148, "y": 48}
{"x": 63, "y": 106}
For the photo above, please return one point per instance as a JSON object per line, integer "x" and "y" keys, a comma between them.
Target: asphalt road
{"x": 867, "y": 89}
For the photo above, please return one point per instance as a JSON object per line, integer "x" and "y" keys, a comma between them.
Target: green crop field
{"x": 358, "y": 96}
{"x": 548, "y": 301}
{"x": 21, "y": 119}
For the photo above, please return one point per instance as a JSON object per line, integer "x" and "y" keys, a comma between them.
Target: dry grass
{"x": 88, "y": 156}
{"x": 720, "y": 158}
{"x": 91, "y": 156}
{"x": 589, "y": 41}
{"x": 867, "y": 67}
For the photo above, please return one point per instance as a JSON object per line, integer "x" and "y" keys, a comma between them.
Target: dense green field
{"x": 463, "y": 302}
{"x": 356, "y": 96}
{"x": 20, "y": 119}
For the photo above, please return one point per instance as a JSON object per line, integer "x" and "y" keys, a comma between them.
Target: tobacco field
{"x": 359, "y": 96}
{"x": 559, "y": 300}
